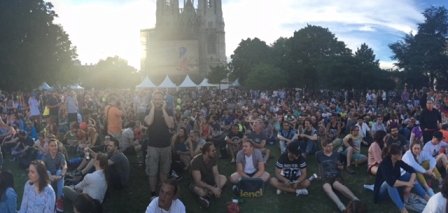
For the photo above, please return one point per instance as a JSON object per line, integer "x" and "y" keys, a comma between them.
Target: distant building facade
{"x": 185, "y": 40}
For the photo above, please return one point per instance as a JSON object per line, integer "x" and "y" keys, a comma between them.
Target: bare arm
{"x": 240, "y": 171}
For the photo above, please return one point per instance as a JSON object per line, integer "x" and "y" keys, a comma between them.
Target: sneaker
{"x": 350, "y": 169}
{"x": 203, "y": 201}
{"x": 235, "y": 189}
{"x": 176, "y": 176}
{"x": 279, "y": 191}
{"x": 369, "y": 187}
{"x": 301, "y": 192}
{"x": 60, "y": 205}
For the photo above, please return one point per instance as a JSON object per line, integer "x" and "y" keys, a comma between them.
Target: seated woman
{"x": 30, "y": 129}
{"x": 8, "y": 195}
{"x": 438, "y": 202}
{"x": 423, "y": 163}
{"x": 41, "y": 145}
{"x": 389, "y": 179}
{"x": 375, "y": 151}
{"x": 85, "y": 204}
{"x": 38, "y": 195}
{"x": 93, "y": 184}
{"x": 179, "y": 148}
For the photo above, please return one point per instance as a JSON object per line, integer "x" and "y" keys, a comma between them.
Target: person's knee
{"x": 306, "y": 183}
{"x": 273, "y": 181}
{"x": 234, "y": 178}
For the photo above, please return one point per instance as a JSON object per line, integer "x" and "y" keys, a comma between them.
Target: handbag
{"x": 251, "y": 187}
{"x": 46, "y": 111}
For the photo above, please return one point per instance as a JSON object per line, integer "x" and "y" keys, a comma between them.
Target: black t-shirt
{"x": 52, "y": 102}
{"x": 290, "y": 168}
{"x": 329, "y": 164}
{"x": 235, "y": 137}
{"x": 158, "y": 133}
{"x": 257, "y": 138}
{"x": 27, "y": 141}
{"x": 399, "y": 141}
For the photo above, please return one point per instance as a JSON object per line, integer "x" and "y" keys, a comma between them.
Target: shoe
{"x": 204, "y": 202}
{"x": 369, "y": 187}
{"x": 279, "y": 191}
{"x": 74, "y": 173}
{"x": 350, "y": 169}
{"x": 301, "y": 192}
{"x": 430, "y": 192}
{"x": 235, "y": 189}
{"x": 175, "y": 176}
{"x": 60, "y": 205}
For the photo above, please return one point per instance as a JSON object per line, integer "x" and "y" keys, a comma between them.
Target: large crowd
{"x": 93, "y": 133}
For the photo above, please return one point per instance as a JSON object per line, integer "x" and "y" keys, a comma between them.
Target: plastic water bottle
{"x": 313, "y": 177}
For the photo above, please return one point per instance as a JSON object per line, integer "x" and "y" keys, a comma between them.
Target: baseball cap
{"x": 294, "y": 148}
{"x": 438, "y": 135}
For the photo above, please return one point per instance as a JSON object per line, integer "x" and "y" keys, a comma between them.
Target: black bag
{"x": 251, "y": 187}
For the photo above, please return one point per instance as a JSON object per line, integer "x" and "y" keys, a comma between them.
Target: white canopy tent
{"x": 45, "y": 86}
{"x": 146, "y": 83}
{"x": 167, "y": 83}
{"x": 205, "y": 83}
{"x": 76, "y": 87}
{"x": 187, "y": 83}
{"x": 236, "y": 83}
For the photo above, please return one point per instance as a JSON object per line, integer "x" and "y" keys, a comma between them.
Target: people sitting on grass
{"x": 56, "y": 168}
{"x": 75, "y": 139}
{"x": 8, "y": 195}
{"x": 168, "y": 199}
{"x": 290, "y": 172}
{"x": 249, "y": 164}
{"x": 435, "y": 148}
{"x": 119, "y": 168}
{"x": 24, "y": 143}
{"x": 352, "y": 142}
{"x": 389, "y": 178}
{"x": 285, "y": 136}
{"x": 179, "y": 147}
{"x": 375, "y": 157}
{"x": 93, "y": 184}
{"x": 233, "y": 140}
{"x": 86, "y": 165}
{"x": 397, "y": 139}
{"x": 258, "y": 139}
{"x": 308, "y": 138}
{"x": 438, "y": 202}
{"x": 423, "y": 164}
{"x": 38, "y": 195}
{"x": 128, "y": 144}
{"x": 206, "y": 178}
{"x": 330, "y": 168}
{"x": 41, "y": 145}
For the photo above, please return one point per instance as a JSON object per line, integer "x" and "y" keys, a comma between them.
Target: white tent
{"x": 146, "y": 83}
{"x": 76, "y": 87}
{"x": 45, "y": 86}
{"x": 205, "y": 83}
{"x": 187, "y": 83}
{"x": 236, "y": 83}
{"x": 167, "y": 83}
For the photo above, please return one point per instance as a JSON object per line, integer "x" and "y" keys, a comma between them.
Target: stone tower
{"x": 185, "y": 40}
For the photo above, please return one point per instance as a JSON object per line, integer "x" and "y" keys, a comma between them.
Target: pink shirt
{"x": 374, "y": 156}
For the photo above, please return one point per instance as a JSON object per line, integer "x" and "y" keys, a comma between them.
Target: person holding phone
{"x": 159, "y": 121}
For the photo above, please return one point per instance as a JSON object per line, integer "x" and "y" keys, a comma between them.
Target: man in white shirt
{"x": 249, "y": 164}
{"x": 365, "y": 131}
{"x": 168, "y": 199}
{"x": 434, "y": 146}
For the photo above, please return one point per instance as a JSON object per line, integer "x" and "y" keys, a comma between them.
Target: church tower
{"x": 212, "y": 33}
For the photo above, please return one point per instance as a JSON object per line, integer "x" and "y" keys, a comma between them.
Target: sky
{"x": 103, "y": 28}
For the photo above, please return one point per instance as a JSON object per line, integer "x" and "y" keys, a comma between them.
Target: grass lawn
{"x": 135, "y": 197}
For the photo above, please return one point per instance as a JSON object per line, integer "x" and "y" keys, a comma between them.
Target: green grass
{"x": 135, "y": 197}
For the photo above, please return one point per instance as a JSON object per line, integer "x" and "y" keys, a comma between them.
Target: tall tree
{"x": 217, "y": 74}
{"x": 424, "y": 54}
{"x": 311, "y": 47}
{"x": 266, "y": 76}
{"x": 249, "y": 53}
{"x": 33, "y": 48}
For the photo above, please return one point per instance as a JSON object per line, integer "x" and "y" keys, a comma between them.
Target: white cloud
{"x": 102, "y": 28}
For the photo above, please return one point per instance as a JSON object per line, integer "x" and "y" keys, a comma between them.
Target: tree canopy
{"x": 33, "y": 49}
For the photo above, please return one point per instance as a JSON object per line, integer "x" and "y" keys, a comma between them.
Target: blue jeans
{"x": 393, "y": 193}
{"x": 308, "y": 146}
{"x": 59, "y": 184}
